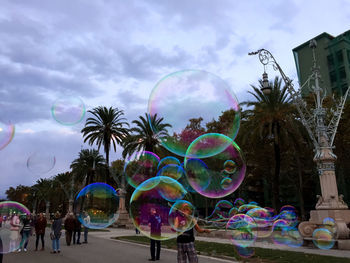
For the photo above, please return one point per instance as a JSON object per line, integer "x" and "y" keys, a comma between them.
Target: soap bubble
{"x": 238, "y": 202}
{"x": 7, "y": 132}
{"x": 263, "y": 220}
{"x": 11, "y": 212}
{"x": 97, "y": 206}
{"x": 190, "y": 95}
{"x": 323, "y": 238}
{"x": 68, "y": 111}
{"x": 168, "y": 160}
{"x": 226, "y": 183}
{"x": 245, "y": 252}
{"x": 181, "y": 216}
{"x": 242, "y": 229}
{"x": 172, "y": 170}
{"x": 281, "y": 229}
{"x": 205, "y": 175}
{"x": 151, "y": 202}
{"x": 329, "y": 223}
{"x": 41, "y": 162}
{"x": 140, "y": 166}
{"x": 230, "y": 166}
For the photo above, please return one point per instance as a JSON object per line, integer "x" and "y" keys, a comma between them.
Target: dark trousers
{"x": 153, "y": 249}
{"x": 42, "y": 240}
{"x": 76, "y": 236}
{"x": 68, "y": 237}
{"x": 0, "y": 250}
{"x": 86, "y": 231}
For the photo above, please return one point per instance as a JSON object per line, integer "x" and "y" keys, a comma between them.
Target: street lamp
{"x": 266, "y": 89}
{"x": 329, "y": 204}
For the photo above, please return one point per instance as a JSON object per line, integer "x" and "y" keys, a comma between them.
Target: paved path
{"x": 99, "y": 249}
{"x": 115, "y": 232}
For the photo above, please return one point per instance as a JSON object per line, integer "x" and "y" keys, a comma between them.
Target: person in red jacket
{"x": 40, "y": 226}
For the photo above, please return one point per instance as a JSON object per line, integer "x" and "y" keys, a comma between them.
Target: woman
{"x": 56, "y": 233}
{"x": 26, "y": 232}
{"x": 40, "y": 226}
{"x": 14, "y": 234}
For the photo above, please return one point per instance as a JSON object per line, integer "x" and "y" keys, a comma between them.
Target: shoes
{"x": 151, "y": 259}
{"x": 157, "y": 258}
{"x": 19, "y": 250}
{"x": 78, "y": 243}
{"x": 25, "y": 250}
{"x": 36, "y": 249}
{"x": 85, "y": 242}
{"x": 42, "y": 249}
{"x": 59, "y": 251}
{"x": 53, "y": 252}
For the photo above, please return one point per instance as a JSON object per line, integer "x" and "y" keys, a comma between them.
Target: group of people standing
{"x": 72, "y": 227}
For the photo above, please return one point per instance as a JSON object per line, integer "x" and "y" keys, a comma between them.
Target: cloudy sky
{"x": 112, "y": 53}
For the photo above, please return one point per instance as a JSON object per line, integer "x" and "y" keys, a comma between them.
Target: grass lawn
{"x": 261, "y": 254}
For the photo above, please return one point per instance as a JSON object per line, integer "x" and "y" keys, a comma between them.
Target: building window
{"x": 333, "y": 76}
{"x": 342, "y": 73}
{"x": 339, "y": 55}
{"x": 330, "y": 61}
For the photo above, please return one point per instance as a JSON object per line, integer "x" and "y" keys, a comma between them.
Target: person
{"x": 56, "y": 233}
{"x": 185, "y": 241}
{"x": 1, "y": 250}
{"x": 26, "y": 232}
{"x": 77, "y": 230}
{"x": 155, "y": 223}
{"x": 69, "y": 227}
{"x": 14, "y": 232}
{"x": 40, "y": 226}
{"x": 86, "y": 226}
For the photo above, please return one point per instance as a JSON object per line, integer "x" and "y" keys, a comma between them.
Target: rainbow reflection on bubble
{"x": 7, "y": 132}
{"x": 11, "y": 212}
{"x": 242, "y": 229}
{"x": 172, "y": 170}
{"x": 168, "y": 160}
{"x": 182, "y": 216}
{"x": 156, "y": 195}
{"x": 205, "y": 175}
{"x": 323, "y": 238}
{"x": 140, "y": 166}
{"x": 188, "y": 95}
{"x": 97, "y": 206}
{"x": 68, "y": 111}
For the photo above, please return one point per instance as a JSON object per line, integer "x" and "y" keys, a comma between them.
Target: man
{"x": 69, "y": 225}
{"x": 77, "y": 230}
{"x": 155, "y": 223}
{"x": 185, "y": 241}
{"x": 40, "y": 226}
{"x": 86, "y": 226}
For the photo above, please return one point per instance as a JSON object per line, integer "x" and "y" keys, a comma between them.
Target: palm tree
{"x": 44, "y": 191}
{"x": 86, "y": 164}
{"x": 105, "y": 127}
{"x": 147, "y": 134}
{"x": 270, "y": 120}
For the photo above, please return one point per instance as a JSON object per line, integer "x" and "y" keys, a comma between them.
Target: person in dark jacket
{"x": 56, "y": 233}
{"x": 155, "y": 223}
{"x": 77, "y": 230}
{"x": 40, "y": 226}
{"x": 69, "y": 225}
{"x": 26, "y": 232}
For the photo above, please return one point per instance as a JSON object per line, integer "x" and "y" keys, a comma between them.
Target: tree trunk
{"x": 47, "y": 210}
{"x": 276, "y": 175}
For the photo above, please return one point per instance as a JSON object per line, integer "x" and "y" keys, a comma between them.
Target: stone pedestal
{"x": 124, "y": 220}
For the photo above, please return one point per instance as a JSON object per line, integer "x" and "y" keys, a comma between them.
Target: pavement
{"x": 101, "y": 248}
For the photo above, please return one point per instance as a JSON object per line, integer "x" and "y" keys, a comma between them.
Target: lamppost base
{"x": 124, "y": 220}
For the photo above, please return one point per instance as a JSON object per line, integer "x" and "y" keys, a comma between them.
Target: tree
{"x": 19, "y": 194}
{"x": 106, "y": 127}
{"x": 146, "y": 135}
{"x": 84, "y": 167}
{"x": 271, "y": 117}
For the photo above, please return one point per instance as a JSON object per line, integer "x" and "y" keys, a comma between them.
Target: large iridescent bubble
{"x": 140, "y": 166}
{"x": 323, "y": 238}
{"x": 152, "y": 203}
{"x": 182, "y": 216}
{"x": 11, "y": 213}
{"x": 97, "y": 206}
{"x": 193, "y": 95}
{"x": 68, "y": 111}
{"x": 242, "y": 229}
{"x": 7, "y": 132}
{"x": 205, "y": 175}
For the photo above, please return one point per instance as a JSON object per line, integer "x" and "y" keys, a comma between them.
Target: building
{"x": 333, "y": 57}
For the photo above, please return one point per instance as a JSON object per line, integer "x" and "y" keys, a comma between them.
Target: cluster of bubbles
{"x": 11, "y": 214}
